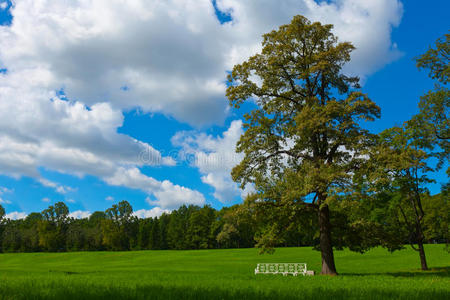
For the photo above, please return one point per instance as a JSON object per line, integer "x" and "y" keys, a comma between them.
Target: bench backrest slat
{"x": 281, "y": 267}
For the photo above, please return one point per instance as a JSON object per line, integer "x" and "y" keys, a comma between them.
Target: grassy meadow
{"x": 221, "y": 274}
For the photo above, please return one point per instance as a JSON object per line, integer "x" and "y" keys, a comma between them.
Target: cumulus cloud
{"x": 168, "y": 195}
{"x": 367, "y": 24}
{"x": 214, "y": 157}
{"x": 15, "y": 215}
{"x": 80, "y": 214}
{"x": 150, "y": 213}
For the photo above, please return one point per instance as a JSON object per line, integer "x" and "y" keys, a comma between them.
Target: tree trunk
{"x": 423, "y": 259}
{"x": 326, "y": 247}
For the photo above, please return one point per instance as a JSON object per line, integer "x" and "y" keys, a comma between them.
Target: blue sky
{"x": 71, "y": 131}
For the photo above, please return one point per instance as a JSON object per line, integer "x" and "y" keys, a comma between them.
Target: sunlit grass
{"x": 221, "y": 274}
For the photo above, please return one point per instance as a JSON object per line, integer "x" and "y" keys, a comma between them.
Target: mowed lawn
{"x": 221, "y": 274}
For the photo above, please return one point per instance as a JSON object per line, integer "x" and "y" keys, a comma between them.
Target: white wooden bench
{"x": 283, "y": 268}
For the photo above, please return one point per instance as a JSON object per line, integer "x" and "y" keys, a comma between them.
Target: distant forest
{"x": 193, "y": 227}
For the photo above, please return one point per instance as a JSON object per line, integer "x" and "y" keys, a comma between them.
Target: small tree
{"x": 305, "y": 131}
{"x": 402, "y": 156}
{"x": 400, "y": 165}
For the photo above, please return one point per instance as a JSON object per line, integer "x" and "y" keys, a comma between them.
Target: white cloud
{"x": 56, "y": 186}
{"x": 109, "y": 198}
{"x": 15, "y": 215}
{"x": 5, "y": 190}
{"x": 171, "y": 196}
{"x": 3, "y": 5}
{"x": 367, "y": 24}
{"x": 80, "y": 214}
{"x": 45, "y": 199}
{"x": 168, "y": 195}
{"x": 3, "y": 201}
{"x": 214, "y": 157}
{"x": 150, "y": 213}
{"x": 70, "y": 200}
{"x": 93, "y": 49}
{"x": 171, "y": 55}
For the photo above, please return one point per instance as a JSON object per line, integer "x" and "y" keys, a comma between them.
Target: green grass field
{"x": 221, "y": 274}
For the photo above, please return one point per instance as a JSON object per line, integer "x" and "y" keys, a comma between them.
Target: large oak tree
{"x": 305, "y": 132}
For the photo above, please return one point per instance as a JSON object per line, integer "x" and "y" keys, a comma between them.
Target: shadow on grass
{"x": 437, "y": 271}
{"x": 73, "y": 272}
{"x": 86, "y": 292}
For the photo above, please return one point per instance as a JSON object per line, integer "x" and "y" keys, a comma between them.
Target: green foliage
{"x": 76, "y": 236}
{"x": 199, "y": 228}
{"x": 177, "y": 228}
{"x": 227, "y": 235}
{"x": 52, "y": 228}
{"x": 239, "y": 226}
{"x": 352, "y": 227}
{"x": 120, "y": 228}
{"x": 437, "y": 59}
{"x": 2, "y": 212}
{"x": 437, "y": 217}
{"x": 12, "y": 237}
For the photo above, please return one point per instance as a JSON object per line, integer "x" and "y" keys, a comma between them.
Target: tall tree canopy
{"x": 305, "y": 131}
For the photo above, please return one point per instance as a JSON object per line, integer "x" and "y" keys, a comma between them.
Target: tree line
{"x": 117, "y": 229}
{"x": 194, "y": 227}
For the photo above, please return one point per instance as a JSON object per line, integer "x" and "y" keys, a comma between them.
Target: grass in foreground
{"x": 221, "y": 274}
